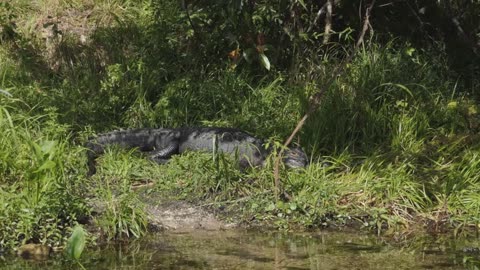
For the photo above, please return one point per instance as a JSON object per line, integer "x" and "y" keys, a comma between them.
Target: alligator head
{"x": 295, "y": 157}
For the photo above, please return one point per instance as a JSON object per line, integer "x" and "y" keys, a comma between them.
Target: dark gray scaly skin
{"x": 162, "y": 143}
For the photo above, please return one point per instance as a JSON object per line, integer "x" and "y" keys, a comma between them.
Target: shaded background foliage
{"x": 150, "y": 67}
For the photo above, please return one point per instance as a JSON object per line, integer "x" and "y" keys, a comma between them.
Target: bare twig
{"x": 328, "y": 22}
{"x": 366, "y": 24}
{"x": 320, "y": 12}
{"x": 315, "y": 99}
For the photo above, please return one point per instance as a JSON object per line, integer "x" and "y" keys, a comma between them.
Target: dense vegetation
{"x": 393, "y": 144}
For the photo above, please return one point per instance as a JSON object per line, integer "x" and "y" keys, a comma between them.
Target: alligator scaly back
{"x": 146, "y": 140}
{"x": 161, "y": 144}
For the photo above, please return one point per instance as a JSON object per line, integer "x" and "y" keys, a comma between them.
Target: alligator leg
{"x": 162, "y": 155}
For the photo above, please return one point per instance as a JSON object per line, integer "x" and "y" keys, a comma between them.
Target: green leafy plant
{"x": 76, "y": 243}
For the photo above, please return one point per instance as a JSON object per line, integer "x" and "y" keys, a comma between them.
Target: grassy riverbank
{"x": 393, "y": 147}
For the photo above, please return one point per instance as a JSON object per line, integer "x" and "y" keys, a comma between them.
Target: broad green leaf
{"x": 270, "y": 207}
{"x": 452, "y": 105}
{"x": 293, "y": 206}
{"x": 47, "y": 146}
{"x": 401, "y": 103}
{"x": 76, "y": 243}
{"x": 472, "y": 110}
{"x": 264, "y": 61}
{"x": 409, "y": 51}
{"x": 46, "y": 166}
{"x": 38, "y": 149}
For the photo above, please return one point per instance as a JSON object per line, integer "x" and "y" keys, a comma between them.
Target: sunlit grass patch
{"x": 39, "y": 199}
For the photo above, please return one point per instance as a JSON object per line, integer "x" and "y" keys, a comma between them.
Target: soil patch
{"x": 183, "y": 216}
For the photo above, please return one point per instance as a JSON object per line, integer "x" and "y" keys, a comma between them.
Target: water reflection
{"x": 267, "y": 250}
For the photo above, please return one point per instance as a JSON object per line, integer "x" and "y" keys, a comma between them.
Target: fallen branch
{"x": 316, "y": 99}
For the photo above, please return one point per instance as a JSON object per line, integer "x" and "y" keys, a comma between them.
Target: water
{"x": 267, "y": 250}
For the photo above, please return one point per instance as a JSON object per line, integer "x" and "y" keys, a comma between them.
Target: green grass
{"x": 44, "y": 186}
{"x": 39, "y": 199}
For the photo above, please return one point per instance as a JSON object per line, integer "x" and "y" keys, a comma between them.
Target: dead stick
{"x": 328, "y": 22}
{"x": 319, "y": 14}
{"x": 366, "y": 23}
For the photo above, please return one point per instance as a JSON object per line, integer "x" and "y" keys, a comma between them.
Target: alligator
{"x": 160, "y": 144}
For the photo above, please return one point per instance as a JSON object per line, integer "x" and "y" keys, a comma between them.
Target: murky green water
{"x": 259, "y": 250}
